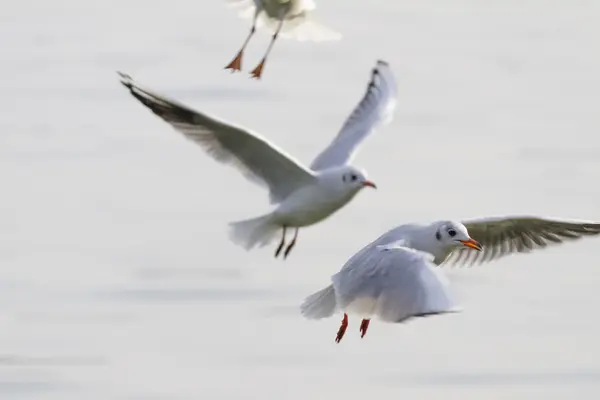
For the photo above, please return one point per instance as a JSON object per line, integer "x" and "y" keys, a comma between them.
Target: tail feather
{"x": 302, "y": 28}
{"x": 319, "y": 305}
{"x": 250, "y": 233}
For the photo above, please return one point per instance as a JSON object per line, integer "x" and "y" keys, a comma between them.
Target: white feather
{"x": 393, "y": 283}
{"x": 376, "y": 108}
{"x": 298, "y": 25}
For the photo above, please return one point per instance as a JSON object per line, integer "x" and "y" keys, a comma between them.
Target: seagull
{"x": 393, "y": 279}
{"x": 500, "y": 236}
{"x": 288, "y": 17}
{"x": 303, "y": 195}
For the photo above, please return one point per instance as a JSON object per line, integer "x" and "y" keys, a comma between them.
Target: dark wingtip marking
{"x": 126, "y": 80}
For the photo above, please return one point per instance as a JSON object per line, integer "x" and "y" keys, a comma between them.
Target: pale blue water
{"x": 118, "y": 280}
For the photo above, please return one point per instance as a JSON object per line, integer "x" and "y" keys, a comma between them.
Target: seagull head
{"x": 354, "y": 178}
{"x": 455, "y": 234}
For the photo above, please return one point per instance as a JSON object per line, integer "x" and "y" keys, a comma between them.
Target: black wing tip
{"x": 126, "y": 80}
{"x": 380, "y": 69}
{"x": 376, "y": 71}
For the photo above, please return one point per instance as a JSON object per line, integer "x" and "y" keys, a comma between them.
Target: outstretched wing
{"x": 507, "y": 235}
{"x": 375, "y": 109}
{"x": 394, "y": 283}
{"x": 256, "y": 158}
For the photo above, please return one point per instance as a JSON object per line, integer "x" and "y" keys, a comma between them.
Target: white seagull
{"x": 393, "y": 278}
{"x": 291, "y": 18}
{"x": 304, "y": 196}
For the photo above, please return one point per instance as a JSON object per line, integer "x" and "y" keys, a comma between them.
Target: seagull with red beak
{"x": 303, "y": 196}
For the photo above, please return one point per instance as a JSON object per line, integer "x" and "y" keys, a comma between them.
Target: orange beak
{"x": 474, "y": 244}
{"x": 369, "y": 183}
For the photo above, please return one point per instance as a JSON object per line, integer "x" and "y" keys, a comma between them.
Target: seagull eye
{"x": 451, "y": 232}
{"x": 353, "y": 177}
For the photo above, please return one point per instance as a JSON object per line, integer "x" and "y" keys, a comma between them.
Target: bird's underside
{"x": 236, "y": 64}
{"x": 288, "y": 19}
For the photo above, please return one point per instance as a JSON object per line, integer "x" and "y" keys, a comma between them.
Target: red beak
{"x": 369, "y": 183}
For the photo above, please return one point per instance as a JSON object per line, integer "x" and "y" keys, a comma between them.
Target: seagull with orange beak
{"x": 393, "y": 277}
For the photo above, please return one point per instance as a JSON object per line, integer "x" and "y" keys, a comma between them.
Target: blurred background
{"x": 118, "y": 280}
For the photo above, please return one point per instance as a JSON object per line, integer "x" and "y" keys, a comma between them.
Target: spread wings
{"x": 375, "y": 109}
{"x": 257, "y": 159}
{"x": 503, "y": 236}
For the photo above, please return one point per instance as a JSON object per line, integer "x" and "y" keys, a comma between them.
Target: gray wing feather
{"x": 401, "y": 281}
{"x": 507, "y": 235}
{"x": 258, "y": 160}
{"x": 375, "y": 109}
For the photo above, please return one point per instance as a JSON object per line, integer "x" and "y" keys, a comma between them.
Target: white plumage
{"x": 393, "y": 277}
{"x": 392, "y": 282}
{"x": 375, "y": 109}
{"x": 303, "y": 196}
{"x": 298, "y": 25}
{"x": 499, "y": 236}
{"x": 290, "y": 19}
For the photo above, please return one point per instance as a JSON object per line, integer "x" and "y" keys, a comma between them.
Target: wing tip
{"x": 382, "y": 70}
{"x": 126, "y": 80}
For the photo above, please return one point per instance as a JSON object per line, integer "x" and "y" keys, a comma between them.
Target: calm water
{"x": 118, "y": 281}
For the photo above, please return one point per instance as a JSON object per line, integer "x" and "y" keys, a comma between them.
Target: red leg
{"x": 292, "y": 244}
{"x": 364, "y": 325}
{"x": 342, "y": 329}
{"x": 257, "y": 72}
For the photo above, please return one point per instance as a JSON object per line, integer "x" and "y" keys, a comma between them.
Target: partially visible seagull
{"x": 290, "y": 17}
{"x": 304, "y": 196}
{"x": 500, "y": 236}
{"x": 393, "y": 277}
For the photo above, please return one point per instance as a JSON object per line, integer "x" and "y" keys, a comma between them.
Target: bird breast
{"x": 309, "y": 205}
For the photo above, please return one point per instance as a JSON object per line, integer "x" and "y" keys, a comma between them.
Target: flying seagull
{"x": 291, "y": 18}
{"x": 500, "y": 236}
{"x": 303, "y": 195}
{"x": 393, "y": 277}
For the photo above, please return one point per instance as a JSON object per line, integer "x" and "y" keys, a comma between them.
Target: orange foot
{"x": 342, "y": 329}
{"x": 257, "y": 72}
{"x": 364, "y": 325}
{"x": 236, "y": 64}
